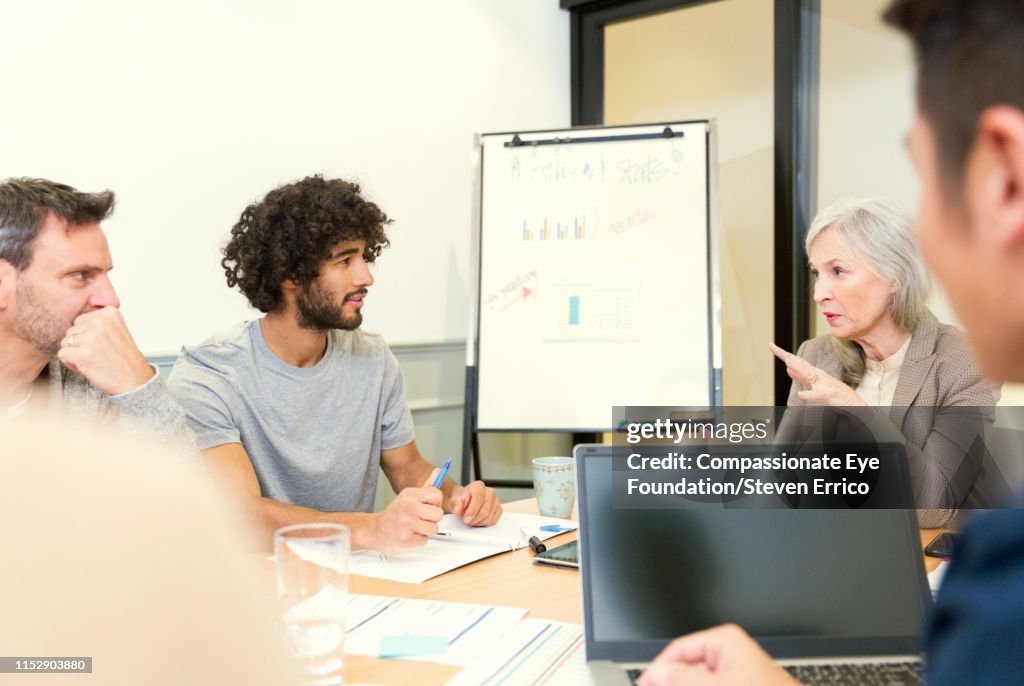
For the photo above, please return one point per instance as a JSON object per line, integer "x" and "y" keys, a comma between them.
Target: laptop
{"x": 817, "y": 588}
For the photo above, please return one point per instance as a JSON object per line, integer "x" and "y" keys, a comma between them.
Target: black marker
{"x": 537, "y": 545}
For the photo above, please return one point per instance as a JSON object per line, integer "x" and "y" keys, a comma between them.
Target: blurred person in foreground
{"x": 967, "y": 143}
{"x": 105, "y": 559}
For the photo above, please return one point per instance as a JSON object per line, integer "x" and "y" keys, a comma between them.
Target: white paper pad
{"x": 469, "y": 629}
{"x": 936, "y": 575}
{"x": 535, "y": 652}
{"x": 466, "y": 544}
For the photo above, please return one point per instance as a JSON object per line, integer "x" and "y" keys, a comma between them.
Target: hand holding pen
{"x": 409, "y": 520}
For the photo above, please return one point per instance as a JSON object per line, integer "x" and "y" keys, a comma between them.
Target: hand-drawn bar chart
{"x": 579, "y": 227}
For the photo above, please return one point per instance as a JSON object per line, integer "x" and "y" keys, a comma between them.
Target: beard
{"x": 319, "y": 311}
{"x": 35, "y": 324}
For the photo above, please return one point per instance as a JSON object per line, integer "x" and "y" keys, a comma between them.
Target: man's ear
{"x": 289, "y": 289}
{"x": 8, "y": 278}
{"x": 995, "y": 176}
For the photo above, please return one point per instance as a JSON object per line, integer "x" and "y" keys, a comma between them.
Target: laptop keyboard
{"x": 879, "y": 674}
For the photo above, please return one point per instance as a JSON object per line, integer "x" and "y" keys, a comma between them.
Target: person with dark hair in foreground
{"x": 63, "y": 340}
{"x": 297, "y": 411}
{"x": 967, "y": 143}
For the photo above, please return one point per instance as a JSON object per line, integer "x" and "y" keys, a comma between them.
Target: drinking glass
{"x": 312, "y": 587}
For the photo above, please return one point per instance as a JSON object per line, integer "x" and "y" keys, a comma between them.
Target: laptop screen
{"x": 805, "y": 583}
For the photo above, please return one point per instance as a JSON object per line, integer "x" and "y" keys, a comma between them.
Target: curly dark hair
{"x": 292, "y": 230}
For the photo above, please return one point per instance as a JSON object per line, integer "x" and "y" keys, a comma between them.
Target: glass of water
{"x": 312, "y": 587}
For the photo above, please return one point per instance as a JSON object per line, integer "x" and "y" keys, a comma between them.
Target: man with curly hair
{"x": 967, "y": 143}
{"x": 63, "y": 341}
{"x": 298, "y": 410}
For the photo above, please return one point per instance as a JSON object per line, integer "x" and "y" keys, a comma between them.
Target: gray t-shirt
{"x": 314, "y": 434}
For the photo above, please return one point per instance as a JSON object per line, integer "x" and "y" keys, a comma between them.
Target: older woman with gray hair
{"x": 886, "y": 349}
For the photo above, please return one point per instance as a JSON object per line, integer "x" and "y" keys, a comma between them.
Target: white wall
{"x": 189, "y": 110}
{"x": 866, "y": 105}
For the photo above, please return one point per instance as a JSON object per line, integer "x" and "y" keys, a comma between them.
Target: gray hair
{"x": 878, "y": 233}
{"x": 25, "y": 204}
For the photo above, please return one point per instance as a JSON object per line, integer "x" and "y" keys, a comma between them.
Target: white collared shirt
{"x": 878, "y": 386}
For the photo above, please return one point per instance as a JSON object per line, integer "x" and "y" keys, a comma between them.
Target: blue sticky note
{"x": 412, "y": 646}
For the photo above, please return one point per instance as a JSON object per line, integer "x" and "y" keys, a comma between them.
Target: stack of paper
{"x": 534, "y": 652}
{"x": 431, "y": 630}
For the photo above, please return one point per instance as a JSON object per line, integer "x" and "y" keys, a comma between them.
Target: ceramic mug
{"x": 554, "y": 481}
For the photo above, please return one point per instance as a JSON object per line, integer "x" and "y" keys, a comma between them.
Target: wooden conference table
{"x": 509, "y": 579}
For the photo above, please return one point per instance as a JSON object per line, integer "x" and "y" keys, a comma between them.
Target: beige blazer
{"x": 941, "y": 412}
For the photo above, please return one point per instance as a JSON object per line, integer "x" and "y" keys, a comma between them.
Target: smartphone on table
{"x": 942, "y": 545}
{"x": 560, "y": 556}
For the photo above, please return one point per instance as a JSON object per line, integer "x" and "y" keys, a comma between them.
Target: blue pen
{"x": 443, "y": 474}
